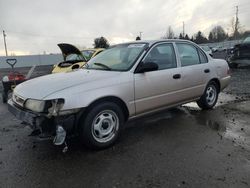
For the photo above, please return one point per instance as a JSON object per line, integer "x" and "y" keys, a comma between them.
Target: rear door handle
{"x": 177, "y": 76}
{"x": 206, "y": 70}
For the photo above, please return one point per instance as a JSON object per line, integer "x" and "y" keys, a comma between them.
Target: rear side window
{"x": 188, "y": 54}
{"x": 163, "y": 55}
{"x": 203, "y": 58}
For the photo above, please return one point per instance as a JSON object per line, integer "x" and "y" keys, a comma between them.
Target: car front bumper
{"x": 39, "y": 121}
{"x": 33, "y": 120}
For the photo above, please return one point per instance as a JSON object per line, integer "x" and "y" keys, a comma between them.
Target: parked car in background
{"x": 214, "y": 49}
{"x": 207, "y": 50}
{"x": 73, "y": 58}
{"x": 124, "y": 82}
{"x": 219, "y": 49}
{"x": 240, "y": 54}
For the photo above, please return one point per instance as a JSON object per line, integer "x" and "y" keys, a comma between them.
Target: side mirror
{"x": 147, "y": 67}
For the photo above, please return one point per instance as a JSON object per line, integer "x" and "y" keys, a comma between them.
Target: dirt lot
{"x": 180, "y": 147}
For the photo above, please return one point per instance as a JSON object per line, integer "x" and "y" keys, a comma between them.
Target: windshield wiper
{"x": 103, "y": 65}
{"x": 86, "y": 65}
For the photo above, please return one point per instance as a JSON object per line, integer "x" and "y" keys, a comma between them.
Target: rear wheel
{"x": 209, "y": 97}
{"x": 101, "y": 126}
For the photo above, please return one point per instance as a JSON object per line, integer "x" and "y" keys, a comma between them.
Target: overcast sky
{"x": 36, "y": 26}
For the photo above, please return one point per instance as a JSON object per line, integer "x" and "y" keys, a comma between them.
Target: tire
{"x": 101, "y": 126}
{"x": 9, "y": 94}
{"x": 209, "y": 97}
{"x": 233, "y": 65}
{"x": 4, "y": 97}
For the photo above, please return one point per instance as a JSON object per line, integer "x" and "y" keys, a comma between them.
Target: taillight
{"x": 17, "y": 77}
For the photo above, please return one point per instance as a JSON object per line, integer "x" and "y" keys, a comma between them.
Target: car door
{"x": 195, "y": 70}
{"x": 159, "y": 88}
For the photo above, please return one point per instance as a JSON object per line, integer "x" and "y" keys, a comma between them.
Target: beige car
{"x": 123, "y": 82}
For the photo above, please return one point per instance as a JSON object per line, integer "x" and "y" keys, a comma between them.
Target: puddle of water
{"x": 234, "y": 126}
{"x": 239, "y": 132}
{"x": 223, "y": 99}
{"x": 214, "y": 125}
{"x": 165, "y": 115}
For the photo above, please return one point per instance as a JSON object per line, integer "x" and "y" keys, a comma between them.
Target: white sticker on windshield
{"x": 136, "y": 45}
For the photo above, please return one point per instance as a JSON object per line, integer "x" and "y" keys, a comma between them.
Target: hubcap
{"x": 105, "y": 126}
{"x": 211, "y": 95}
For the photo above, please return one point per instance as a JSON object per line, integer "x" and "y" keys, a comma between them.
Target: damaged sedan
{"x": 240, "y": 54}
{"x": 124, "y": 82}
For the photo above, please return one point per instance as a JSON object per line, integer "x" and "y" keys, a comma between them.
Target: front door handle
{"x": 206, "y": 70}
{"x": 177, "y": 76}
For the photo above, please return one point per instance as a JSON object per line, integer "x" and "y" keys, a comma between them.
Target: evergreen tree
{"x": 199, "y": 38}
{"x": 180, "y": 36}
{"x": 138, "y": 38}
{"x": 210, "y": 37}
{"x": 187, "y": 37}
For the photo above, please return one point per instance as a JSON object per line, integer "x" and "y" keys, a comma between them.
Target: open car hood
{"x": 68, "y": 49}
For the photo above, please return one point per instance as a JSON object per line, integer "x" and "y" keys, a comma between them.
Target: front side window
{"x": 163, "y": 55}
{"x": 117, "y": 58}
{"x": 188, "y": 54}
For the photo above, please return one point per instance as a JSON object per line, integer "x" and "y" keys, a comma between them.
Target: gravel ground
{"x": 180, "y": 147}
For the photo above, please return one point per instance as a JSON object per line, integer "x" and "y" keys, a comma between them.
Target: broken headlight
{"x": 50, "y": 106}
{"x": 55, "y": 106}
{"x": 34, "y": 105}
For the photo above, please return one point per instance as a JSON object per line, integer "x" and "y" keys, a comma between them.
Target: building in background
{"x": 29, "y": 60}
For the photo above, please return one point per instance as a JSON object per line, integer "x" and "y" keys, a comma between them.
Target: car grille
{"x": 18, "y": 100}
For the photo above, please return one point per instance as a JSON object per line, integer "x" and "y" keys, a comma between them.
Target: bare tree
{"x": 101, "y": 42}
{"x": 217, "y": 34}
{"x": 169, "y": 34}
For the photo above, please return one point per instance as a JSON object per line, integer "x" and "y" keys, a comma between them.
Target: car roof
{"x": 152, "y": 42}
{"x": 93, "y": 49}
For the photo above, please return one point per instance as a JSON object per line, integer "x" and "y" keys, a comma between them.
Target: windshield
{"x": 247, "y": 40}
{"x": 88, "y": 54}
{"x": 74, "y": 57}
{"x": 118, "y": 58}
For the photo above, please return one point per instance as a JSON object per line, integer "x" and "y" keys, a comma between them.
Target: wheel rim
{"x": 105, "y": 126}
{"x": 211, "y": 94}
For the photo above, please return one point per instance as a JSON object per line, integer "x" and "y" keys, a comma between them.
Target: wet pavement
{"x": 180, "y": 147}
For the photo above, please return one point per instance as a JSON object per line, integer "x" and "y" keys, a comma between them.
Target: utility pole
{"x": 5, "y": 45}
{"x": 140, "y": 34}
{"x": 236, "y": 22}
{"x": 183, "y": 29}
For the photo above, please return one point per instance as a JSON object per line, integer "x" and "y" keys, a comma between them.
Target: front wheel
{"x": 233, "y": 65}
{"x": 101, "y": 126}
{"x": 209, "y": 97}
{"x": 4, "y": 97}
